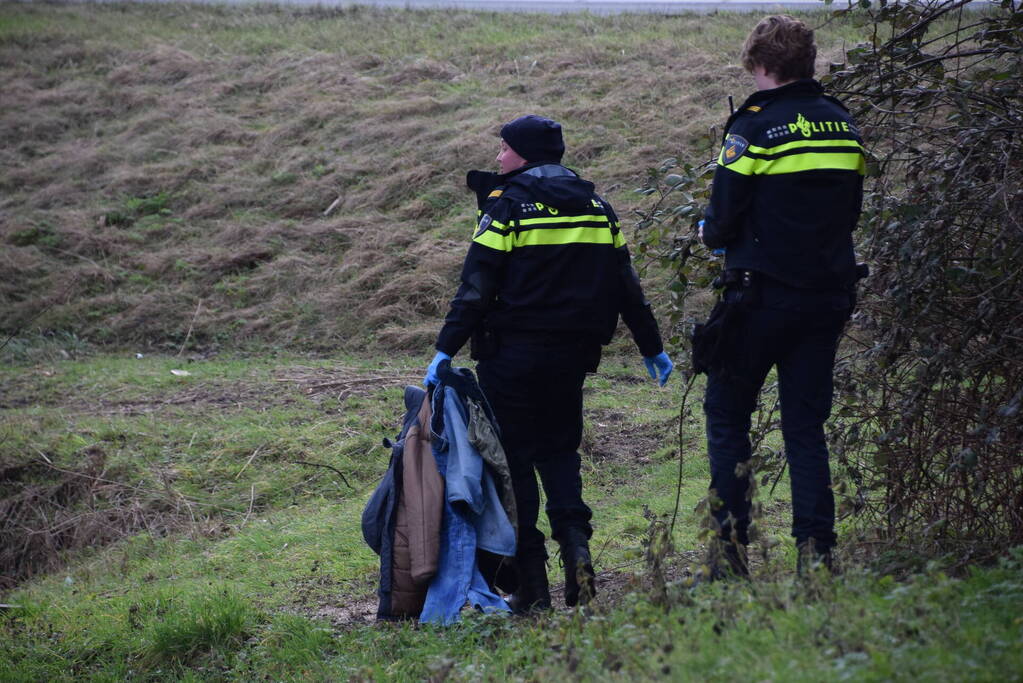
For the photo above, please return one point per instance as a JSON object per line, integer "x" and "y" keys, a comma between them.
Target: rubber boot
{"x": 580, "y": 581}
{"x": 533, "y": 593}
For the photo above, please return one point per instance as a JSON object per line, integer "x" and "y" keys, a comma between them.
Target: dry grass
{"x": 245, "y": 125}
{"x": 87, "y": 507}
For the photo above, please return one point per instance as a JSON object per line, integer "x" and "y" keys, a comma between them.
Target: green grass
{"x": 166, "y": 169}
{"x": 217, "y": 621}
{"x": 261, "y": 572}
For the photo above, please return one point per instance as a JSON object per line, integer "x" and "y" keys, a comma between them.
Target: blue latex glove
{"x": 431, "y": 372}
{"x": 659, "y": 365}
{"x": 716, "y": 252}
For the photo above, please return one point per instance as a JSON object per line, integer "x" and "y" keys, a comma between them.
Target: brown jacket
{"x": 418, "y": 519}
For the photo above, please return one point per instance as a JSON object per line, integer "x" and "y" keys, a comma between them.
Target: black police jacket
{"x": 547, "y": 255}
{"x": 788, "y": 188}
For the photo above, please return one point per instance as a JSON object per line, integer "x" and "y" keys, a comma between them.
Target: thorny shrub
{"x": 926, "y": 431}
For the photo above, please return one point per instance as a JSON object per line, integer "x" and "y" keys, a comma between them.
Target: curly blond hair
{"x": 783, "y": 46}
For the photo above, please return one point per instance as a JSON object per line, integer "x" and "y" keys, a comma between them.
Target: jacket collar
{"x": 543, "y": 169}
{"x": 804, "y": 87}
{"x": 485, "y": 182}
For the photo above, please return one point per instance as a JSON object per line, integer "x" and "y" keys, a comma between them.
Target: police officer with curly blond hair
{"x": 786, "y": 197}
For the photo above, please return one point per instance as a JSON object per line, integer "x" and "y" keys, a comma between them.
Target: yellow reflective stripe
{"x": 555, "y": 236}
{"x": 495, "y": 240}
{"x": 564, "y": 219}
{"x": 813, "y": 161}
{"x": 796, "y": 163}
{"x": 804, "y": 143}
{"x": 494, "y": 225}
{"x": 548, "y": 230}
{"x": 744, "y": 164}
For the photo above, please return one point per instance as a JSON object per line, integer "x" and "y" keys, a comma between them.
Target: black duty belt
{"x": 546, "y": 337}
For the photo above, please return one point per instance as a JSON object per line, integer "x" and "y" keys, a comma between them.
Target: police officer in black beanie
{"x": 534, "y": 137}
{"x": 544, "y": 282}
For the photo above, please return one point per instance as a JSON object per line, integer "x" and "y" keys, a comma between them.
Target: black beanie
{"x": 534, "y": 138}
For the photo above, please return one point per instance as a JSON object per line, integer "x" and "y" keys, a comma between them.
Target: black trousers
{"x": 798, "y": 333}
{"x": 535, "y": 387}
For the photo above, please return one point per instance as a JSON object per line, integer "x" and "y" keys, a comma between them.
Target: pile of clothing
{"x": 445, "y": 507}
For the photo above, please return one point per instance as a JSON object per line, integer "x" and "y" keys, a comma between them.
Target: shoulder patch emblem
{"x": 484, "y": 224}
{"x": 495, "y": 193}
{"x": 735, "y": 147}
{"x": 753, "y": 108}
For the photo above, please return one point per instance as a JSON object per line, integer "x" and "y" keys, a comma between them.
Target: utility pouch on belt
{"x": 709, "y": 338}
{"x": 712, "y": 339}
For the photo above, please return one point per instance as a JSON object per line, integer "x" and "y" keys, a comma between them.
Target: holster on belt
{"x": 713, "y": 340}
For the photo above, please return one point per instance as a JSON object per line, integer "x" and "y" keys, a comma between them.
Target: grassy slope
{"x": 167, "y": 167}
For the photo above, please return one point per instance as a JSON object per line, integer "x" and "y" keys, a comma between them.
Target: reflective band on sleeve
{"x": 743, "y": 166}
{"x": 494, "y": 235}
{"x": 495, "y": 240}
{"x": 618, "y": 239}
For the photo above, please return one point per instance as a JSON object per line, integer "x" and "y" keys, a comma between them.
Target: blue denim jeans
{"x": 467, "y": 498}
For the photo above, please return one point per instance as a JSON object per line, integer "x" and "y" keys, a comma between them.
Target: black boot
{"x": 810, "y": 557}
{"x": 533, "y": 593}
{"x": 727, "y": 560}
{"x": 580, "y": 581}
